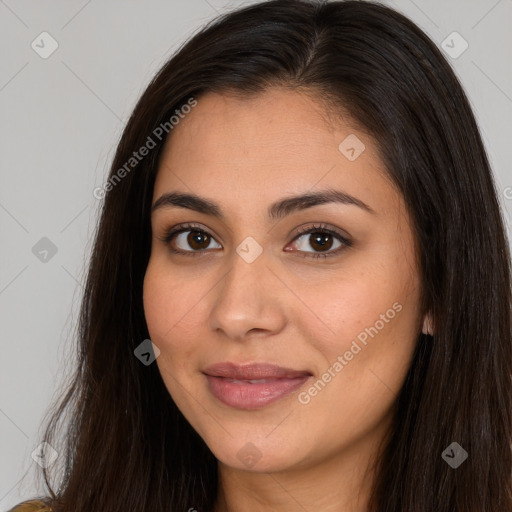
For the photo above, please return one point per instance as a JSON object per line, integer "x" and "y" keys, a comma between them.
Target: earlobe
{"x": 428, "y": 324}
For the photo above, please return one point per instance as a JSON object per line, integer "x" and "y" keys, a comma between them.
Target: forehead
{"x": 276, "y": 143}
{"x": 277, "y": 120}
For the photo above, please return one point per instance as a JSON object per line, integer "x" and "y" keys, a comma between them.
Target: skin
{"x": 285, "y": 307}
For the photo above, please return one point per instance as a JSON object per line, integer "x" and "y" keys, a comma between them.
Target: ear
{"x": 428, "y": 324}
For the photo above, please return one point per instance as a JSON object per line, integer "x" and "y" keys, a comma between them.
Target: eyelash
{"x": 321, "y": 228}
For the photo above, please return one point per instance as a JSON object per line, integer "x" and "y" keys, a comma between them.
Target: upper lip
{"x": 253, "y": 371}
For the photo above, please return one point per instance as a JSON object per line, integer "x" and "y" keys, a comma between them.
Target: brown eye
{"x": 198, "y": 240}
{"x": 321, "y": 240}
{"x": 314, "y": 242}
{"x": 189, "y": 239}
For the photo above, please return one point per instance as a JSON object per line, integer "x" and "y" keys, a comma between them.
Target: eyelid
{"x": 321, "y": 227}
{"x": 315, "y": 228}
{"x": 344, "y": 239}
{"x": 181, "y": 228}
{"x": 187, "y": 226}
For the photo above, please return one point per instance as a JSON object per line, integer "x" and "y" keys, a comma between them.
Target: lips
{"x": 255, "y": 371}
{"x": 254, "y": 385}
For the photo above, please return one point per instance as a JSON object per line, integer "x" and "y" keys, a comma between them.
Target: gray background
{"x": 61, "y": 118}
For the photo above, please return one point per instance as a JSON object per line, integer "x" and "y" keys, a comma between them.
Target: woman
{"x": 299, "y": 294}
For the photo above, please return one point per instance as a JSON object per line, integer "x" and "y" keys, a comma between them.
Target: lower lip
{"x": 247, "y": 395}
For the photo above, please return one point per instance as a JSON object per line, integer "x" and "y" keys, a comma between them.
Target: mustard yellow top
{"x": 31, "y": 506}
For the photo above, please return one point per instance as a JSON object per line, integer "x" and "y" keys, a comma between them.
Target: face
{"x": 313, "y": 302}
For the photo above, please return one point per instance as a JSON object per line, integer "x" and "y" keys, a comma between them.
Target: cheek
{"x": 157, "y": 304}
{"x": 348, "y": 304}
{"x": 370, "y": 319}
{"x": 168, "y": 308}
{"x": 162, "y": 305}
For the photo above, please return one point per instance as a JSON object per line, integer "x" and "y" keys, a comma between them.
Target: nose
{"x": 248, "y": 301}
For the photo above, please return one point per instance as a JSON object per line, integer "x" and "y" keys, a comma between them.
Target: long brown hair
{"x": 126, "y": 445}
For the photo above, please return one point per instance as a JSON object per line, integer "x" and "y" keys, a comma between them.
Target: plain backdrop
{"x": 61, "y": 116}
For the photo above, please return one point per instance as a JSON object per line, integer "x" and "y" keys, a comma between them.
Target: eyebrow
{"x": 276, "y": 211}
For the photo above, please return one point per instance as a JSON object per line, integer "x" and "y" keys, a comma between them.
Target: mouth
{"x": 253, "y": 386}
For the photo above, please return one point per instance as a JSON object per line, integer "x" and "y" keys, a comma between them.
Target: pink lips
{"x": 252, "y": 386}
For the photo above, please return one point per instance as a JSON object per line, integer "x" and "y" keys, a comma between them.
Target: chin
{"x": 257, "y": 457}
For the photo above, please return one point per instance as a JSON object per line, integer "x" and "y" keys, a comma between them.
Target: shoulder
{"x": 32, "y": 506}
